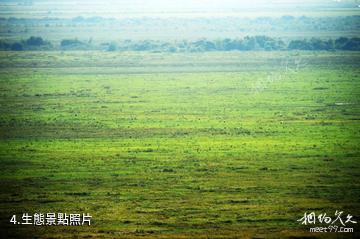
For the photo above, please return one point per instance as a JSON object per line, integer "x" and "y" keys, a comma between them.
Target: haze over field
{"x": 106, "y": 21}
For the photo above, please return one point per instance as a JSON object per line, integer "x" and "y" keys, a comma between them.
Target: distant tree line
{"x": 32, "y": 43}
{"x": 249, "y": 43}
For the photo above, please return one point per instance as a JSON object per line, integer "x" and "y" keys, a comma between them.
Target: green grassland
{"x": 155, "y": 145}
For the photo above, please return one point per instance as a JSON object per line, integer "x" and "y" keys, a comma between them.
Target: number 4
{"x": 13, "y": 219}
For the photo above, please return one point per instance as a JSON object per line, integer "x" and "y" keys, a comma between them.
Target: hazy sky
{"x": 207, "y": 3}
{"x": 166, "y": 8}
{"x": 190, "y": 3}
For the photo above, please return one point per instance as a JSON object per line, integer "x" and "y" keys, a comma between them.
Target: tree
{"x": 74, "y": 44}
{"x": 17, "y": 46}
{"x": 35, "y": 41}
{"x": 4, "y": 45}
{"x": 204, "y": 45}
{"x": 341, "y": 42}
{"x": 352, "y": 45}
{"x": 70, "y": 42}
{"x": 112, "y": 46}
{"x": 250, "y": 43}
{"x": 299, "y": 45}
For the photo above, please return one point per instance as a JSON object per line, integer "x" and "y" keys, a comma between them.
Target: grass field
{"x": 206, "y": 145}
